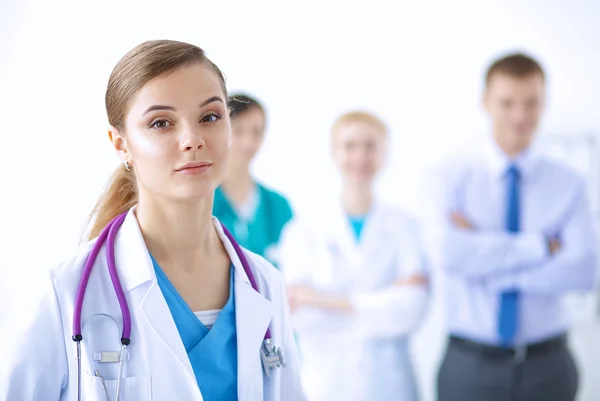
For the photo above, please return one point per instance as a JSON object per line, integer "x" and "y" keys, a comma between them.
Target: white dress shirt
{"x": 479, "y": 264}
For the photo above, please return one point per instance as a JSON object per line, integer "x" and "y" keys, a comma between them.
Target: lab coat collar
{"x": 377, "y": 224}
{"x": 254, "y": 312}
{"x": 133, "y": 255}
{"x": 133, "y": 259}
{"x": 342, "y": 233}
{"x": 375, "y": 213}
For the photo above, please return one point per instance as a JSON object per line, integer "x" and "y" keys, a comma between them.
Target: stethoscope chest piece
{"x": 271, "y": 356}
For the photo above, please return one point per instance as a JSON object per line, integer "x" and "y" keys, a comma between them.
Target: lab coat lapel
{"x": 253, "y": 314}
{"x": 373, "y": 232}
{"x": 379, "y": 249}
{"x": 157, "y": 314}
{"x": 135, "y": 268}
{"x": 359, "y": 252}
{"x": 342, "y": 237}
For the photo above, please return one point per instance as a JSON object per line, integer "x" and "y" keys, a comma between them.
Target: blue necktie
{"x": 509, "y": 300}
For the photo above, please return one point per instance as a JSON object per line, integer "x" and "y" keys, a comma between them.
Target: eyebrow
{"x": 171, "y": 108}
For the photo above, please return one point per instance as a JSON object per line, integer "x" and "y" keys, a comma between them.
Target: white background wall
{"x": 417, "y": 64}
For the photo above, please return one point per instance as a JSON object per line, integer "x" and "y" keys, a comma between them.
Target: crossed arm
{"x": 526, "y": 261}
{"x": 301, "y": 295}
{"x": 390, "y": 311}
{"x": 387, "y": 312}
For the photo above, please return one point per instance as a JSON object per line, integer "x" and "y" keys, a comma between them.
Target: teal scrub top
{"x": 262, "y": 233}
{"x": 212, "y": 353}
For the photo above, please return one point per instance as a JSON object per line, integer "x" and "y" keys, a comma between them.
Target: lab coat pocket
{"x": 137, "y": 388}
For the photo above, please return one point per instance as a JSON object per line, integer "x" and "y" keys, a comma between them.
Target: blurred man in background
{"x": 512, "y": 231}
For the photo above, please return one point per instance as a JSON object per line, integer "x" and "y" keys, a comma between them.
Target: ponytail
{"x": 119, "y": 196}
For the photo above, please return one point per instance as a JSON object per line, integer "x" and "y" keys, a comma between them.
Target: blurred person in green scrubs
{"x": 254, "y": 213}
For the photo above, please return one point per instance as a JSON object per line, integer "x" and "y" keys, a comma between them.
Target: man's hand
{"x": 461, "y": 221}
{"x": 415, "y": 279}
{"x": 554, "y": 245}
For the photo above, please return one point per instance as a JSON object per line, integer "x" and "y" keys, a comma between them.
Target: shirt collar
{"x": 499, "y": 162}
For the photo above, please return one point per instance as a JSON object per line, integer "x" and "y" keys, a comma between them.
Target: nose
{"x": 247, "y": 143}
{"x": 520, "y": 113}
{"x": 361, "y": 154}
{"x": 191, "y": 139}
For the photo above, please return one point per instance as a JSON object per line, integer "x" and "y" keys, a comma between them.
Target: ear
{"x": 485, "y": 101}
{"x": 544, "y": 100}
{"x": 119, "y": 143}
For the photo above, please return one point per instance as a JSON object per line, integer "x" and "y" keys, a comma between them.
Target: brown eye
{"x": 159, "y": 124}
{"x": 210, "y": 118}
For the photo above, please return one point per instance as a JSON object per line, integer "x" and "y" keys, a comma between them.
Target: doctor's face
{"x": 358, "y": 150}
{"x": 177, "y": 134}
{"x": 515, "y": 105}
{"x": 248, "y": 128}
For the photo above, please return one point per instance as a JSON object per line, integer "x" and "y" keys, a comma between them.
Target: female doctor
{"x": 254, "y": 213}
{"x": 356, "y": 280}
{"x": 196, "y": 323}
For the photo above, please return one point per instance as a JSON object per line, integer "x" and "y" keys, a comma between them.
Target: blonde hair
{"x": 140, "y": 65}
{"x": 359, "y": 116}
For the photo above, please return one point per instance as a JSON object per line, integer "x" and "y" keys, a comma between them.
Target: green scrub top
{"x": 261, "y": 233}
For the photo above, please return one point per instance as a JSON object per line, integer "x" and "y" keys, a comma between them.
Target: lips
{"x": 194, "y": 166}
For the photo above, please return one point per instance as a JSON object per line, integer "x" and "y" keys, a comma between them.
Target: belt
{"x": 519, "y": 353}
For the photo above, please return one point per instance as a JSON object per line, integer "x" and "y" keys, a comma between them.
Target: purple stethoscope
{"x": 271, "y": 356}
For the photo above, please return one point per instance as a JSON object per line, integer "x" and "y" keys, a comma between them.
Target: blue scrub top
{"x": 357, "y": 223}
{"x": 212, "y": 353}
{"x": 261, "y": 234}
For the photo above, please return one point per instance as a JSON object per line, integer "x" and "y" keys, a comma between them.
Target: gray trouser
{"x": 473, "y": 372}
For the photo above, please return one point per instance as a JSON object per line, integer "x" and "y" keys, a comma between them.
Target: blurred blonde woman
{"x": 357, "y": 286}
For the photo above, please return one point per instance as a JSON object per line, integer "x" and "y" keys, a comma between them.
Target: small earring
{"x": 127, "y": 166}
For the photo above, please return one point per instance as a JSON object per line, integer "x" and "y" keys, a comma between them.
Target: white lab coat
{"x": 38, "y": 355}
{"x": 363, "y": 356}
